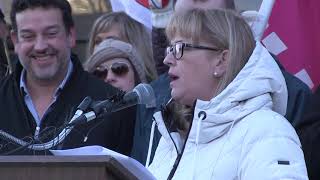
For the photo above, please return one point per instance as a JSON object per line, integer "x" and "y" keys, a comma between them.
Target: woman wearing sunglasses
{"x": 225, "y": 119}
{"x": 121, "y": 26}
{"x": 117, "y": 63}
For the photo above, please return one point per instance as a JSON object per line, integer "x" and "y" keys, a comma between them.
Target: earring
{"x": 215, "y": 74}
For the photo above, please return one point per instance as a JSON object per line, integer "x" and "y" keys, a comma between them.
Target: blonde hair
{"x": 223, "y": 29}
{"x": 131, "y": 32}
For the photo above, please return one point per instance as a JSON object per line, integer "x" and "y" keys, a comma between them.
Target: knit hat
{"x": 112, "y": 48}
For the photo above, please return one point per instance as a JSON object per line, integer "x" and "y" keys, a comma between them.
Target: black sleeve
{"x": 124, "y": 133}
{"x": 299, "y": 96}
{"x": 3, "y": 60}
{"x": 309, "y": 134}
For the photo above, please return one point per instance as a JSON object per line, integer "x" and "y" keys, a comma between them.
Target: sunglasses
{"x": 177, "y": 49}
{"x": 117, "y": 68}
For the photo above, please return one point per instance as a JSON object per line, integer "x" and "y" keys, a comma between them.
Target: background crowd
{"x": 225, "y": 107}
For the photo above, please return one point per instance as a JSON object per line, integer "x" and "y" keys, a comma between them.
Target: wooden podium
{"x": 62, "y": 168}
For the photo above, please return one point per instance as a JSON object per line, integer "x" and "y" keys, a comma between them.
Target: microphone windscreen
{"x": 145, "y": 95}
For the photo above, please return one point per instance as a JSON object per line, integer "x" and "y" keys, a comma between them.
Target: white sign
{"x": 133, "y": 9}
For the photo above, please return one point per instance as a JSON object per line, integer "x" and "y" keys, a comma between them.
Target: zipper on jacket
{"x": 36, "y": 133}
{"x": 179, "y": 155}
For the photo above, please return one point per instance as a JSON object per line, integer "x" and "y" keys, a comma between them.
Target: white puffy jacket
{"x": 239, "y": 134}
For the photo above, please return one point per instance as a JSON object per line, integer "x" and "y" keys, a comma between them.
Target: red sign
{"x": 293, "y": 35}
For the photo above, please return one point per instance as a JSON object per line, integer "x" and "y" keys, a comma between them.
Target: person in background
{"x": 42, "y": 94}
{"x": 4, "y": 32}
{"x": 121, "y": 26}
{"x": 224, "y": 121}
{"x": 3, "y": 26}
{"x": 309, "y": 134}
{"x": 117, "y": 63}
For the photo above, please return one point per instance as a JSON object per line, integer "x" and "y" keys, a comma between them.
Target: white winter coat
{"x": 239, "y": 134}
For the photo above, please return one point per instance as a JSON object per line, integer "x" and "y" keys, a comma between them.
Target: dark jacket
{"x": 3, "y": 60}
{"x": 144, "y": 120}
{"x": 299, "y": 96}
{"x": 309, "y": 134}
{"x": 114, "y": 131}
{"x": 159, "y": 45}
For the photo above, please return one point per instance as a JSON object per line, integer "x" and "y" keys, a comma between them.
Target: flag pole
{"x": 264, "y": 12}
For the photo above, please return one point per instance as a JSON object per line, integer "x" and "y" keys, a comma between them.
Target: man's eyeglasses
{"x": 177, "y": 49}
{"x": 118, "y": 68}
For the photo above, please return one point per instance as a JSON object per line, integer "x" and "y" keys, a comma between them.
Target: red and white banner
{"x": 135, "y": 9}
{"x": 293, "y": 35}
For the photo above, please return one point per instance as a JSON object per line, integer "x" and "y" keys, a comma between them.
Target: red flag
{"x": 294, "y": 36}
{"x": 144, "y": 3}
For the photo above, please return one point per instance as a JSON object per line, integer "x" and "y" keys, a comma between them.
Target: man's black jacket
{"x": 114, "y": 131}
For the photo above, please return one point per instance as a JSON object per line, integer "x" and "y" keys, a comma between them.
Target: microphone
{"x": 141, "y": 94}
{"x": 83, "y": 106}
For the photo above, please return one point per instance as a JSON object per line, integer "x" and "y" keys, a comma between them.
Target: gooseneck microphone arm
{"x": 58, "y": 139}
{"x": 141, "y": 94}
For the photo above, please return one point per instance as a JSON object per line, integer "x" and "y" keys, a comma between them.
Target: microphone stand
{"x": 143, "y": 94}
{"x": 84, "y": 105}
{"x": 39, "y": 147}
{"x": 58, "y": 139}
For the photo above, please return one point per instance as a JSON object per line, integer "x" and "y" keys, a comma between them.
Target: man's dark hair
{"x": 22, "y": 5}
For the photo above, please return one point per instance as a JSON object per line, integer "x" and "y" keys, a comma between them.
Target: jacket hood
{"x": 259, "y": 85}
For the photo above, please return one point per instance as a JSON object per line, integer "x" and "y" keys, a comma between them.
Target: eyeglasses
{"x": 118, "y": 68}
{"x": 177, "y": 49}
